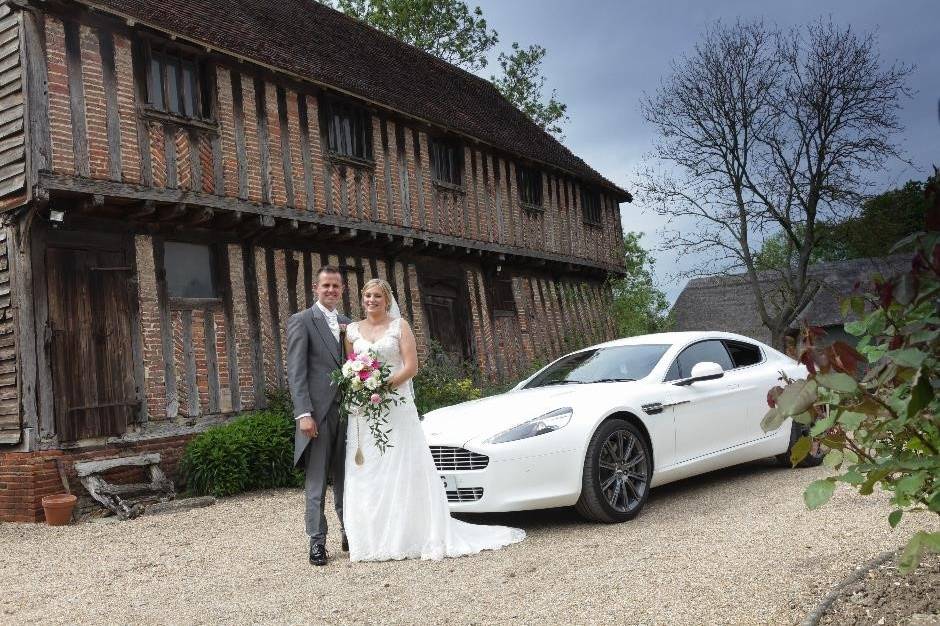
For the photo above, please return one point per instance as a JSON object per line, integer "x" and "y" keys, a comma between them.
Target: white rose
{"x": 347, "y": 370}
{"x": 357, "y": 366}
{"x": 356, "y": 384}
{"x": 372, "y": 383}
{"x": 376, "y": 374}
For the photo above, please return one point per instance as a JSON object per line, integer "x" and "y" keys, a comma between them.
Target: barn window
{"x": 349, "y": 130}
{"x": 591, "y": 206}
{"x": 446, "y": 162}
{"x": 502, "y": 297}
{"x": 176, "y": 83}
{"x": 530, "y": 186}
{"x": 189, "y": 270}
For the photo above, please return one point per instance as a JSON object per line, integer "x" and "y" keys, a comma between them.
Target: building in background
{"x": 173, "y": 173}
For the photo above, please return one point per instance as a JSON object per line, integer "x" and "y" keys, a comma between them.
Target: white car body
{"x": 698, "y": 428}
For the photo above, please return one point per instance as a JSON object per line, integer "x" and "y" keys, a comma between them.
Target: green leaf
{"x": 852, "y": 477}
{"x": 837, "y": 381}
{"x": 800, "y": 449}
{"x": 910, "y": 484}
{"x": 874, "y": 477}
{"x": 851, "y": 420}
{"x": 798, "y": 397}
{"x": 805, "y": 418}
{"x": 850, "y": 457}
{"x": 818, "y": 493}
{"x": 833, "y": 458}
{"x": 856, "y": 329}
{"x": 921, "y": 541}
{"x": 772, "y": 420}
{"x": 823, "y": 425}
{"x": 921, "y": 394}
{"x": 908, "y": 357}
{"x": 895, "y": 517}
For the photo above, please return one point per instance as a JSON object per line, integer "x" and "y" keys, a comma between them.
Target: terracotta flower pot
{"x": 58, "y": 508}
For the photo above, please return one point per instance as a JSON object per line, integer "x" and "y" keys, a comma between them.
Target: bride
{"x": 394, "y": 504}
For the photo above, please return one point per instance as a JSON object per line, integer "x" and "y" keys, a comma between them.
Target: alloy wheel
{"x": 623, "y": 471}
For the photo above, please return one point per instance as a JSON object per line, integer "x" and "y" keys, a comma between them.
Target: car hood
{"x": 458, "y": 424}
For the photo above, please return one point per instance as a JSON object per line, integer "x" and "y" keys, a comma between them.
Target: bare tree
{"x": 764, "y": 131}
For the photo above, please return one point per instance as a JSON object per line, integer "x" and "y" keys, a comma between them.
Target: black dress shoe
{"x": 318, "y": 554}
{"x": 345, "y": 544}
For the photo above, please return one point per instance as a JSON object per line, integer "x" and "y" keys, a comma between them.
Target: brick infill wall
{"x": 25, "y": 477}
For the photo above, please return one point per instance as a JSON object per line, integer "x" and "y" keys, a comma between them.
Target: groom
{"x": 313, "y": 351}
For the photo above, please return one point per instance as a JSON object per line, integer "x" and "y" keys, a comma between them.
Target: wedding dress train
{"x": 394, "y": 505}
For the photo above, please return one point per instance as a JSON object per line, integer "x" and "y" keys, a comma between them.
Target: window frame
{"x": 438, "y": 144}
{"x": 166, "y": 54}
{"x": 177, "y": 303}
{"x": 529, "y": 184}
{"x": 591, "y": 215}
{"x": 675, "y": 360}
{"x": 337, "y": 107}
{"x": 760, "y": 352}
{"x": 499, "y": 290}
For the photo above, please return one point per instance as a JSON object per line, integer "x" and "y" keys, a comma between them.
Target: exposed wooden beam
{"x": 144, "y": 209}
{"x": 199, "y": 216}
{"x": 172, "y": 212}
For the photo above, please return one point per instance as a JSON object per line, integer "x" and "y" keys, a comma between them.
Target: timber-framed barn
{"x": 173, "y": 173}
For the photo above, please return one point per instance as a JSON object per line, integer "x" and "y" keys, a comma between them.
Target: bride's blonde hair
{"x": 384, "y": 286}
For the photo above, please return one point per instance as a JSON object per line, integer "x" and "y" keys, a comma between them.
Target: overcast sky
{"x": 603, "y": 55}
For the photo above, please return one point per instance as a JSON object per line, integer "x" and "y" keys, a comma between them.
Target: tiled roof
{"x": 314, "y": 42}
{"x": 726, "y": 303}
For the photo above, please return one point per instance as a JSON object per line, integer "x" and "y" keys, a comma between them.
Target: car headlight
{"x": 538, "y": 426}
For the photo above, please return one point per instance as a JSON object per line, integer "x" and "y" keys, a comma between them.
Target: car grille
{"x": 448, "y": 458}
{"x": 465, "y": 495}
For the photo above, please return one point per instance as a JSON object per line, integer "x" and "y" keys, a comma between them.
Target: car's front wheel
{"x": 617, "y": 471}
{"x": 812, "y": 459}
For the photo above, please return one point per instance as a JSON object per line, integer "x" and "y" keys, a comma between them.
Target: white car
{"x": 599, "y": 427}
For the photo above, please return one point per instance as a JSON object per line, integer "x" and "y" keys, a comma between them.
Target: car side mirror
{"x": 706, "y": 370}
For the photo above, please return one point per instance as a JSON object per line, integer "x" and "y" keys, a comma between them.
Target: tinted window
{"x": 743, "y": 354}
{"x": 188, "y": 270}
{"x": 588, "y": 366}
{"x": 712, "y": 351}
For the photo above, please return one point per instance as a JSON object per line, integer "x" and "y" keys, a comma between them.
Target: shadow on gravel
{"x": 689, "y": 487}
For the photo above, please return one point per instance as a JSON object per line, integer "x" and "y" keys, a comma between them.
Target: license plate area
{"x": 450, "y": 482}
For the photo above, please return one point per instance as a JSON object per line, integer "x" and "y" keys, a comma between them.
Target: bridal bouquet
{"x": 364, "y": 389}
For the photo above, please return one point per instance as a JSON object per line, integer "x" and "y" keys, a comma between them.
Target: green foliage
{"x": 443, "y": 380}
{"x": 522, "y": 83}
{"x": 638, "y": 306}
{"x": 254, "y": 451}
{"x": 876, "y": 407}
{"x": 884, "y": 219}
{"x": 448, "y": 29}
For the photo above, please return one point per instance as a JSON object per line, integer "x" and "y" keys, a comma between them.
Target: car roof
{"x": 676, "y": 338}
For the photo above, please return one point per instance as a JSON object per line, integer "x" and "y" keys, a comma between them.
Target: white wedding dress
{"x": 394, "y": 505}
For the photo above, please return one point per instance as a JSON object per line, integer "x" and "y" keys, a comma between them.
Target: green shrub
{"x": 443, "y": 380}
{"x": 254, "y": 451}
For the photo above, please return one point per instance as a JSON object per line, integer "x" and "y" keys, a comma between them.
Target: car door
{"x": 754, "y": 378}
{"x": 708, "y": 414}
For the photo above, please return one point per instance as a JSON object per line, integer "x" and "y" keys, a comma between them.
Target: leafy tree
{"x": 448, "y": 29}
{"x": 522, "y": 83}
{"x": 764, "y": 130}
{"x": 638, "y": 306}
{"x": 883, "y": 220}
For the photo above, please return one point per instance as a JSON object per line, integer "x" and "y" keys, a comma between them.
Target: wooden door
{"x": 447, "y": 311}
{"x": 89, "y": 293}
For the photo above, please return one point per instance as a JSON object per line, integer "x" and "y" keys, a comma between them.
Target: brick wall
{"x": 25, "y": 477}
{"x": 265, "y": 156}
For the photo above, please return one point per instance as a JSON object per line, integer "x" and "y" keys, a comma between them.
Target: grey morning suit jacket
{"x": 312, "y": 353}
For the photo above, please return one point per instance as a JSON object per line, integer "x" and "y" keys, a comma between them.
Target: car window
{"x": 711, "y": 350}
{"x": 602, "y": 365}
{"x": 743, "y": 354}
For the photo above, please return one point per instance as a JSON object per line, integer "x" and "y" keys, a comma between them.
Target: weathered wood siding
{"x": 266, "y": 145}
{"x": 12, "y": 110}
{"x": 9, "y": 398}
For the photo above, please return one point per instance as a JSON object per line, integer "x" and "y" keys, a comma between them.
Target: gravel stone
{"x": 733, "y": 546}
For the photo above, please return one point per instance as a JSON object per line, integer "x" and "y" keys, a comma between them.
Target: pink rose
{"x": 365, "y": 358}
{"x": 375, "y": 398}
{"x": 351, "y": 356}
{"x": 376, "y": 365}
{"x": 364, "y": 375}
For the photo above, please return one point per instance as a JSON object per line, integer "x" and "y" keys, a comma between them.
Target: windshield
{"x": 612, "y": 364}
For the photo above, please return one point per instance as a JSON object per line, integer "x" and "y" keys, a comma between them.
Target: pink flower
{"x": 351, "y": 356}
{"x": 375, "y": 398}
{"x": 365, "y": 358}
{"x": 364, "y": 375}
{"x": 376, "y": 365}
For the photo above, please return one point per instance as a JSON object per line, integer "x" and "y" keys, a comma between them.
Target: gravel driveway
{"x": 735, "y": 546}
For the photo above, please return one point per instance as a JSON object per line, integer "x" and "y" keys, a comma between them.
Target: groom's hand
{"x": 308, "y": 426}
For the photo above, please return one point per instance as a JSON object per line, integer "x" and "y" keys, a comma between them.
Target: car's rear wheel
{"x": 617, "y": 471}
{"x": 816, "y": 453}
